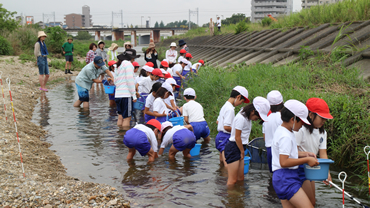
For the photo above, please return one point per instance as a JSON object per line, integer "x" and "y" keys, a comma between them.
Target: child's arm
{"x": 161, "y": 150}
{"x": 306, "y": 154}
{"x": 186, "y": 118}
{"x": 169, "y": 107}
{"x": 156, "y": 114}
{"x": 173, "y": 104}
{"x": 190, "y": 127}
{"x": 227, "y": 128}
{"x": 286, "y": 162}
{"x": 238, "y": 140}
{"x": 148, "y": 112}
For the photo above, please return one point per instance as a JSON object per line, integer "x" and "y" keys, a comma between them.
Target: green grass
{"x": 347, "y": 96}
{"x": 60, "y": 64}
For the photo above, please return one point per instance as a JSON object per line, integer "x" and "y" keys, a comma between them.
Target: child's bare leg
{"x": 112, "y": 103}
{"x": 300, "y": 199}
{"x": 119, "y": 121}
{"x": 46, "y": 80}
{"x": 186, "y": 153}
{"x": 85, "y": 104}
{"x": 126, "y": 122}
{"x": 151, "y": 155}
{"x": 70, "y": 65}
{"x": 307, "y": 188}
{"x": 131, "y": 153}
{"x": 207, "y": 139}
{"x": 232, "y": 170}
{"x": 224, "y": 159}
{"x": 172, "y": 153}
{"x": 286, "y": 204}
{"x": 241, "y": 170}
{"x": 66, "y": 67}
{"x": 77, "y": 103}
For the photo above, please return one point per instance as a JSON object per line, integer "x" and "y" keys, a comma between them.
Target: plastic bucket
{"x": 246, "y": 164}
{"x": 177, "y": 121}
{"x": 138, "y": 105}
{"x": 319, "y": 172}
{"x": 109, "y": 89}
{"x": 196, "y": 150}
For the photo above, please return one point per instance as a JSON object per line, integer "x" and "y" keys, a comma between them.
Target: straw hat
{"x": 127, "y": 43}
{"x": 173, "y": 44}
{"x": 112, "y": 46}
{"x": 100, "y": 41}
{"x": 151, "y": 44}
{"x": 41, "y": 33}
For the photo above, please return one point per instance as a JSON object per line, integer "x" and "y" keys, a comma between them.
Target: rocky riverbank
{"x": 46, "y": 183}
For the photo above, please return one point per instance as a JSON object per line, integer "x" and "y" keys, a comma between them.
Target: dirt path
{"x": 46, "y": 183}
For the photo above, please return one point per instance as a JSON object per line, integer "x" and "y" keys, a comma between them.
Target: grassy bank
{"x": 347, "y": 96}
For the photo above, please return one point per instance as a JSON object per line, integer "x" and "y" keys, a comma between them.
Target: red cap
{"x": 164, "y": 64}
{"x": 201, "y": 61}
{"x": 319, "y": 106}
{"x": 157, "y": 72}
{"x": 110, "y": 63}
{"x": 135, "y": 64}
{"x": 168, "y": 75}
{"x": 149, "y": 64}
{"x": 182, "y": 51}
{"x": 188, "y": 55}
{"x": 155, "y": 123}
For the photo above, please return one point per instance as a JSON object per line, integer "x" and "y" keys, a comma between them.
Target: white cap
{"x": 173, "y": 44}
{"x": 163, "y": 71}
{"x": 243, "y": 92}
{"x": 168, "y": 87}
{"x": 298, "y": 109}
{"x": 189, "y": 91}
{"x": 275, "y": 97}
{"x": 148, "y": 68}
{"x": 262, "y": 106}
{"x": 165, "y": 125}
{"x": 171, "y": 81}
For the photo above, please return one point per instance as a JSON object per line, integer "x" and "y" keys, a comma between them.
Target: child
{"x": 188, "y": 67}
{"x": 147, "y": 83}
{"x": 165, "y": 66}
{"x": 194, "y": 115}
{"x": 181, "y": 138}
{"x": 274, "y": 120}
{"x": 143, "y": 139}
{"x": 68, "y": 54}
{"x": 160, "y": 110}
{"x": 148, "y": 111}
{"x": 285, "y": 156}
{"x": 170, "y": 101}
{"x": 197, "y": 66}
{"x": 312, "y": 138}
{"x": 177, "y": 70}
{"x": 112, "y": 66}
{"x": 182, "y": 55}
{"x": 241, "y": 129}
{"x": 239, "y": 95}
{"x": 136, "y": 67}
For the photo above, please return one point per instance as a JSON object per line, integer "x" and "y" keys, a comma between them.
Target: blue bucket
{"x": 109, "y": 89}
{"x": 247, "y": 161}
{"x": 138, "y": 105}
{"x": 319, "y": 172}
{"x": 196, "y": 150}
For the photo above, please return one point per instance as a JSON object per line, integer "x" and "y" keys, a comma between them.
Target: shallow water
{"x": 91, "y": 148}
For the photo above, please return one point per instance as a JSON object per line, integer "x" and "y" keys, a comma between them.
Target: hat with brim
{"x": 172, "y": 81}
{"x": 320, "y": 107}
{"x": 128, "y": 54}
{"x": 298, "y": 109}
{"x": 157, "y": 72}
{"x": 69, "y": 38}
{"x": 165, "y": 125}
{"x": 182, "y": 42}
{"x": 128, "y": 43}
{"x": 262, "y": 106}
{"x": 98, "y": 60}
{"x": 148, "y": 68}
{"x": 173, "y": 44}
{"x": 113, "y": 46}
{"x": 243, "y": 92}
{"x": 41, "y": 34}
{"x": 155, "y": 123}
{"x": 168, "y": 87}
{"x": 101, "y": 42}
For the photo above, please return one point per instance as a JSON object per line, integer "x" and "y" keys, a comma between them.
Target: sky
{"x": 157, "y": 10}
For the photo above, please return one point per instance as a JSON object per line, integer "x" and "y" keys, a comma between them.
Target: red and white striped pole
{"x": 2, "y": 90}
{"x": 15, "y": 124}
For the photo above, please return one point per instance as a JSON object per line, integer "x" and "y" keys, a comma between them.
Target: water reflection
{"x": 44, "y": 110}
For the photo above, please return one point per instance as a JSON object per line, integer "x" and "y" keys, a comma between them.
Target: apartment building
{"x": 262, "y": 8}
{"x": 79, "y": 20}
{"x": 306, "y": 4}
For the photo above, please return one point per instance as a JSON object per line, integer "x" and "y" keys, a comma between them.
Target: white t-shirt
{"x": 218, "y": 23}
{"x": 146, "y": 83}
{"x": 159, "y": 106}
{"x": 149, "y": 102}
{"x": 226, "y": 117}
{"x": 168, "y": 100}
{"x": 310, "y": 142}
{"x": 176, "y": 68}
{"x": 168, "y": 137}
{"x": 188, "y": 67}
{"x": 284, "y": 143}
{"x": 150, "y": 135}
{"x": 243, "y": 124}
{"x": 179, "y": 59}
{"x": 171, "y": 55}
{"x": 137, "y": 80}
{"x": 169, "y": 70}
{"x": 196, "y": 66}
{"x": 194, "y": 110}
{"x": 270, "y": 126}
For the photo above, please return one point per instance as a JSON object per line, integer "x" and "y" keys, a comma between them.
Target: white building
{"x": 262, "y": 8}
{"x": 306, "y": 4}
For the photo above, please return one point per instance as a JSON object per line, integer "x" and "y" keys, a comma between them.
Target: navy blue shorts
{"x": 124, "y": 106}
{"x": 183, "y": 139}
{"x": 142, "y": 98}
{"x": 69, "y": 58}
{"x": 83, "y": 93}
{"x": 269, "y": 158}
{"x": 286, "y": 183}
{"x": 201, "y": 129}
{"x": 221, "y": 140}
{"x": 301, "y": 174}
{"x": 112, "y": 96}
{"x": 232, "y": 152}
{"x": 178, "y": 82}
{"x": 137, "y": 139}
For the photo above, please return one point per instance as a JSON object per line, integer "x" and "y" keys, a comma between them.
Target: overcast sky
{"x": 157, "y": 10}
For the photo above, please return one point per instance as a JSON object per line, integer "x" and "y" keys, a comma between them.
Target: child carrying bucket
{"x": 312, "y": 138}
{"x": 285, "y": 156}
{"x": 239, "y": 138}
{"x": 147, "y": 83}
{"x": 181, "y": 138}
{"x": 148, "y": 111}
{"x": 143, "y": 138}
{"x": 238, "y": 96}
{"x": 160, "y": 111}
{"x": 112, "y": 66}
{"x": 194, "y": 115}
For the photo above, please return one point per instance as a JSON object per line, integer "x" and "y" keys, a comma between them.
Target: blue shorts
{"x": 221, "y": 140}
{"x": 137, "y": 139}
{"x": 142, "y": 98}
{"x": 183, "y": 139}
{"x": 161, "y": 80}
{"x": 148, "y": 118}
{"x": 178, "y": 82}
{"x": 201, "y": 129}
{"x": 286, "y": 183}
{"x": 124, "y": 106}
{"x": 185, "y": 73}
{"x": 269, "y": 158}
{"x": 83, "y": 93}
{"x": 69, "y": 58}
{"x": 301, "y": 174}
{"x": 42, "y": 63}
{"x": 232, "y": 152}
{"x": 162, "y": 119}
{"x": 112, "y": 96}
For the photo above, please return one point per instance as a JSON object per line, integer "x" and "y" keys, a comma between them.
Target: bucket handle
{"x": 247, "y": 151}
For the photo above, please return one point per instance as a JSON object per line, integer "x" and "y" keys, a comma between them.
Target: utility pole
{"x": 54, "y": 19}
{"x": 141, "y": 21}
{"x": 43, "y": 19}
{"x": 189, "y": 18}
{"x": 121, "y": 18}
{"x": 194, "y": 12}
{"x": 112, "y": 20}
{"x": 198, "y": 16}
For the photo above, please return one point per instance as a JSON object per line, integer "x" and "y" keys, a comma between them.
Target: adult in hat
{"x": 112, "y": 52}
{"x": 151, "y": 54}
{"x": 183, "y": 45}
{"x": 41, "y": 53}
{"x": 171, "y": 54}
{"x": 101, "y": 52}
{"x": 127, "y": 45}
{"x": 84, "y": 80}
{"x": 67, "y": 49}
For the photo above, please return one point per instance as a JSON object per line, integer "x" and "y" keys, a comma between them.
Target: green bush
{"x": 5, "y": 47}
{"x": 26, "y": 38}
{"x": 56, "y": 37}
{"x": 266, "y": 21}
{"x": 83, "y": 35}
{"x": 241, "y": 27}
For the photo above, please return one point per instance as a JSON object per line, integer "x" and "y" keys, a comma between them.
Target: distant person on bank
{"x": 90, "y": 56}
{"x": 218, "y": 22}
{"x": 84, "y": 80}
{"x": 127, "y": 45}
{"x": 67, "y": 49}
{"x": 112, "y": 52}
{"x": 183, "y": 45}
{"x": 151, "y": 54}
{"x": 171, "y": 55}
{"x": 41, "y": 53}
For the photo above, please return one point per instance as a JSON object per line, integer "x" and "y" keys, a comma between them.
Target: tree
{"x": 6, "y": 19}
{"x": 156, "y": 25}
{"x": 235, "y": 18}
{"x": 161, "y": 24}
{"x": 136, "y": 26}
{"x": 83, "y": 35}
